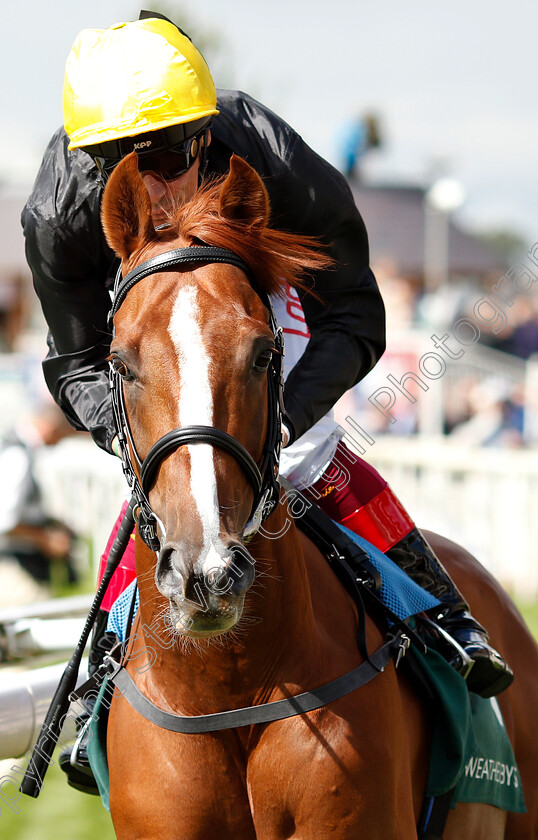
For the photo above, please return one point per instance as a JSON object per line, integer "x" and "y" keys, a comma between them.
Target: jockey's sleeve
{"x": 81, "y": 388}
{"x": 64, "y": 250}
{"x": 347, "y": 326}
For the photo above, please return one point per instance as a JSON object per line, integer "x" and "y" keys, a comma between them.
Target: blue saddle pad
{"x": 119, "y": 614}
{"x": 398, "y": 592}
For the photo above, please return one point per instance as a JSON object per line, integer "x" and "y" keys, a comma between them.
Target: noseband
{"x": 262, "y": 479}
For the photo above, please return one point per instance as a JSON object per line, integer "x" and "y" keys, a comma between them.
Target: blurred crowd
{"x": 487, "y": 396}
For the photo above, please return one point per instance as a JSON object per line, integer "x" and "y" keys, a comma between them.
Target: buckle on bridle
{"x": 147, "y": 526}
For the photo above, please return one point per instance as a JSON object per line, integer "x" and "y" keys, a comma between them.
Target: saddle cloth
{"x": 471, "y": 752}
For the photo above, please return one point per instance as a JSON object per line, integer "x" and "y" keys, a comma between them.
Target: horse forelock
{"x": 275, "y": 258}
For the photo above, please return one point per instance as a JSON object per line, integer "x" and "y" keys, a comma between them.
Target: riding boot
{"x": 489, "y": 674}
{"x": 74, "y": 760}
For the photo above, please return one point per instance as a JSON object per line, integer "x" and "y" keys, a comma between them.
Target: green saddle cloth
{"x": 97, "y": 742}
{"x": 471, "y": 752}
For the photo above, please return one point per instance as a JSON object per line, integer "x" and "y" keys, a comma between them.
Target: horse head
{"x": 194, "y": 349}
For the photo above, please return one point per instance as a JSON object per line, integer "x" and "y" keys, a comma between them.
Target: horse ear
{"x": 126, "y": 209}
{"x": 243, "y": 197}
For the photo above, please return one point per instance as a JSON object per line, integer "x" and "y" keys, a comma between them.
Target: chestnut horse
{"x": 248, "y": 624}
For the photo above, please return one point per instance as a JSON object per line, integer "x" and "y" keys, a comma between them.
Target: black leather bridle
{"x": 263, "y": 479}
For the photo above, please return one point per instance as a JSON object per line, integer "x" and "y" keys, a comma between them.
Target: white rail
{"x": 51, "y": 626}
{"x": 484, "y": 499}
{"x": 25, "y": 699}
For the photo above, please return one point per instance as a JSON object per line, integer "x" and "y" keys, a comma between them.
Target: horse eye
{"x": 263, "y": 360}
{"x": 121, "y": 368}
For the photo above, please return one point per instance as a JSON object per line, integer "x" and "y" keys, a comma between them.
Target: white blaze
{"x": 196, "y": 407}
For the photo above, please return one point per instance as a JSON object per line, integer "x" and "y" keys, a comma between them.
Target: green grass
{"x": 530, "y": 614}
{"x": 61, "y": 812}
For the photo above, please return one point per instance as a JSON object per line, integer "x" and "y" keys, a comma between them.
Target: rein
{"x": 262, "y": 479}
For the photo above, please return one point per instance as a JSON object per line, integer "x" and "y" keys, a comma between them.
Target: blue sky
{"x": 454, "y": 83}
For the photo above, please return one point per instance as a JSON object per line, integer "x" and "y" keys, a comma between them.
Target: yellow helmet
{"x": 133, "y": 78}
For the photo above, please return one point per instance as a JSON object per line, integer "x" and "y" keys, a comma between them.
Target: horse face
{"x": 193, "y": 349}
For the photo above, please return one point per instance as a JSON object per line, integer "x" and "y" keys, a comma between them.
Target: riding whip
{"x": 50, "y": 730}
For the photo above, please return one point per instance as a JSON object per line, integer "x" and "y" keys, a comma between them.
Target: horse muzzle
{"x": 206, "y": 596}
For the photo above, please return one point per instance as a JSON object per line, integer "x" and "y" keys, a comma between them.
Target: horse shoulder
{"x": 197, "y": 781}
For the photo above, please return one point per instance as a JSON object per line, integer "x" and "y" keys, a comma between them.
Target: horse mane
{"x": 274, "y": 257}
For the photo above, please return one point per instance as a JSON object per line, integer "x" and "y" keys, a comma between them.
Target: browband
{"x": 195, "y": 256}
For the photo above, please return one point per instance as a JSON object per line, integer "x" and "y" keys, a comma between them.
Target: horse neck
{"x": 277, "y": 635}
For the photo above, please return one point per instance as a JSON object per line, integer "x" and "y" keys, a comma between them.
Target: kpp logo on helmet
{"x": 143, "y": 145}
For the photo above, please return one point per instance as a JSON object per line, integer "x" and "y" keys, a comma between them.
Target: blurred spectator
{"x": 358, "y": 137}
{"x": 13, "y": 310}
{"x": 523, "y": 341}
{"x": 30, "y": 540}
{"x": 457, "y": 403}
{"x": 519, "y": 335}
{"x": 496, "y": 416}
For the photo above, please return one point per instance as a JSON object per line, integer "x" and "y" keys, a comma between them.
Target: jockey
{"x": 143, "y": 86}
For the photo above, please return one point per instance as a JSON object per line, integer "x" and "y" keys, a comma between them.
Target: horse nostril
{"x": 168, "y": 574}
{"x": 165, "y": 564}
{"x": 229, "y": 572}
{"x": 232, "y": 573}
{"x": 240, "y": 555}
{"x": 240, "y": 570}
